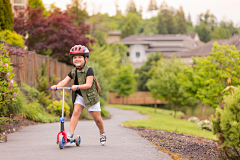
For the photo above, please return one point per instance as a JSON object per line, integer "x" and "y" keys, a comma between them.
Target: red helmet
{"x": 79, "y": 50}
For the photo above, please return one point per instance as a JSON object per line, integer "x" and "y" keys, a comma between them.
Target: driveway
{"x": 39, "y": 142}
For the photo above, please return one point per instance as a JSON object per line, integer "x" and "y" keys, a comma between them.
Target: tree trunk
{"x": 175, "y": 111}
{"x": 155, "y": 106}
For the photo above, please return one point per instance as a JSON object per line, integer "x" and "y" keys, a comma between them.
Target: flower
{"x": 11, "y": 81}
{"x": 7, "y": 74}
{"x": 6, "y": 64}
{"x": 7, "y": 79}
{"x": 15, "y": 95}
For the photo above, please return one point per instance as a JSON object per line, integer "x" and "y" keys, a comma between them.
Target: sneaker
{"x": 103, "y": 138}
{"x": 70, "y": 136}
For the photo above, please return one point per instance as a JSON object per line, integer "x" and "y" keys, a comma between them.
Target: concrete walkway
{"x": 39, "y": 142}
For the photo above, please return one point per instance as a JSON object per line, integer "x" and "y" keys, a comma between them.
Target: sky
{"x": 223, "y": 9}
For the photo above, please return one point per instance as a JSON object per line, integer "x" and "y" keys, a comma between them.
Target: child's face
{"x": 78, "y": 60}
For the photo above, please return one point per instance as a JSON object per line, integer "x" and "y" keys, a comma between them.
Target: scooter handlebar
{"x": 70, "y": 88}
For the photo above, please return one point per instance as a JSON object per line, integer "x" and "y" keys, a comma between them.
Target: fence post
{"x": 35, "y": 68}
{"x": 48, "y": 70}
{"x": 56, "y": 69}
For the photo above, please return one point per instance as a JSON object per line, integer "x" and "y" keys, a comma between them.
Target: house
{"x": 205, "y": 49}
{"x": 19, "y": 4}
{"x": 113, "y": 37}
{"x": 140, "y": 46}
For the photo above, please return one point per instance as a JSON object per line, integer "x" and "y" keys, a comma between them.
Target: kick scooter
{"x": 62, "y": 136}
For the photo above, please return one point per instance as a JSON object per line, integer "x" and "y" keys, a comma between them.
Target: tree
{"x": 118, "y": 11}
{"x": 53, "y": 35}
{"x": 6, "y": 15}
{"x": 152, "y": 6}
{"x": 166, "y": 23}
{"x": 78, "y": 8}
{"x": 12, "y": 38}
{"x": 190, "y": 28}
{"x": 161, "y": 27}
{"x": 204, "y": 32}
{"x": 131, "y": 7}
{"x": 208, "y": 19}
{"x": 128, "y": 29}
{"x": 181, "y": 21}
{"x": 142, "y": 72}
{"x": 211, "y": 73}
{"x": 124, "y": 82}
{"x": 164, "y": 83}
{"x": 221, "y": 33}
{"x": 38, "y": 4}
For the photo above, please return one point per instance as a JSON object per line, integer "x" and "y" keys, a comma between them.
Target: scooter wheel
{"x": 78, "y": 140}
{"x": 61, "y": 141}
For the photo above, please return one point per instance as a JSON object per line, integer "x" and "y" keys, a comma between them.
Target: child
{"x": 87, "y": 94}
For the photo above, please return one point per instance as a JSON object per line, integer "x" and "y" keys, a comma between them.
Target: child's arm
{"x": 87, "y": 85}
{"x": 62, "y": 83}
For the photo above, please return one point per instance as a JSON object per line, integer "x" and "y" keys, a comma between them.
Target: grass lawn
{"x": 162, "y": 120}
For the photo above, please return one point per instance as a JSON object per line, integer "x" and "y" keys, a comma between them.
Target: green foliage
{"x": 131, "y": 7}
{"x": 56, "y": 108}
{"x": 124, "y": 82}
{"x": 142, "y": 72}
{"x": 181, "y": 21}
{"x": 44, "y": 99}
{"x": 85, "y": 115}
{"x": 39, "y": 4}
{"x": 6, "y": 15}
{"x": 105, "y": 113}
{"x": 32, "y": 93}
{"x": 12, "y": 38}
{"x": 165, "y": 84}
{"x": 8, "y": 88}
{"x": 221, "y": 33}
{"x": 226, "y": 122}
{"x": 193, "y": 119}
{"x": 78, "y": 8}
{"x": 210, "y": 74}
{"x": 204, "y": 32}
{"x": 36, "y": 112}
{"x": 167, "y": 22}
{"x": 5, "y": 121}
{"x": 128, "y": 29}
{"x": 16, "y": 107}
{"x": 205, "y": 125}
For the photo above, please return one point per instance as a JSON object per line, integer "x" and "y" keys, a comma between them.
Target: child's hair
{"x": 97, "y": 86}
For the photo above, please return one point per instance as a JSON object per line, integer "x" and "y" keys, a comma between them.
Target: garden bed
{"x": 180, "y": 145}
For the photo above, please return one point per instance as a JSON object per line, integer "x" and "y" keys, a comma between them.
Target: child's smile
{"x": 78, "y": 61}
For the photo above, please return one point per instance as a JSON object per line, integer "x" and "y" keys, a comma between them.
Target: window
{"x": 128, "y": 54}
{"x": 137, "y": 54}
{"x": 19, "y": 1}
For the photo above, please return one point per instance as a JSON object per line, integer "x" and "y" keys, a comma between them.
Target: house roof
{"x": 205, "y": 49}
{"x": 146, "y": 39}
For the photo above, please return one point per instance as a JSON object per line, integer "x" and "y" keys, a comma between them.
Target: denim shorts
{"x": 79, "y": 100}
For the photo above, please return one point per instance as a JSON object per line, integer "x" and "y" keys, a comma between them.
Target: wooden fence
{"x": 142, "y": 98}
{"x": 32, "y": 63}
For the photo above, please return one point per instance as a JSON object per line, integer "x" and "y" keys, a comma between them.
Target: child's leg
{"x": 98, "y": 120}
{"x": 75, "y": 116}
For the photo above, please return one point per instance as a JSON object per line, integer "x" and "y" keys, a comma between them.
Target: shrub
{"x": 16, "y": 107}
{"x": 193, "y": 119}
{"x": 226, "y": 124}
{"x": 85, "y": 115}
{"x": 56, "y": 108}
{"x": 32, "y": 93}
{"x": 12, "y": 38}
{"x": 205, "y": 125}
{"x": 8, "y": 88}
{"x": 104, "y": 113}
{"x": 35, "y": 111}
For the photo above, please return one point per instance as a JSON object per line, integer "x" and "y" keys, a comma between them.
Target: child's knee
{"x": 76, "y": 112}
{"x": 98, "y": 120}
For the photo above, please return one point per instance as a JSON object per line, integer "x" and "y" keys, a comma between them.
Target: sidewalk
{"x": 39, "y": 142}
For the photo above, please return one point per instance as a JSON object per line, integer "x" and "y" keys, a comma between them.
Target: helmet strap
{"x": 81, "y": 67}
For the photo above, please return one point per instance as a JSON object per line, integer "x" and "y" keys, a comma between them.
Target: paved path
{"x": 39, "y": 142}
